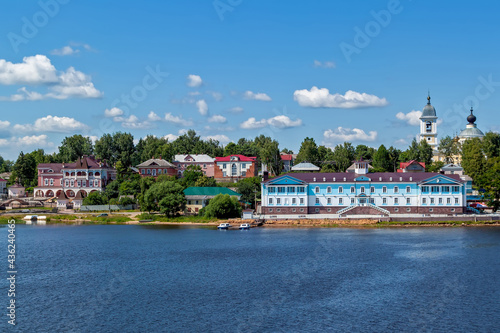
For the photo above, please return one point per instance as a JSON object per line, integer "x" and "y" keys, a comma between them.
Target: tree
{"x": 223, "y": 206}
{"x": 364, "y": 152}
{"x": 343, "y": 155}
{"x": 473, "y": 160}
{"x": 394, "y": 154}
{"x": 434, "y": 166}
{"x": 112, "y": 189}
{"x": 205, "y": 181}
{"x": 249, "y": 188}
{"x": 95, "y": 198}
{"x": 286, "y": 151}
{"x": 165, "y": 197}
{"x": 5, "y": 165}
{"x": 491, "y": 145}
{"x": 191, "y": 175}
{"x": 130, "y": 187}
{"x": 489, "y": 181}
{"x": 25, "y": 170}
{"x": 425, "y": 153}
{"x": 381, "y": 160}
{"x": 104, "y": 148}
{"x": 271, "y": 157}
{"x": 308, "y": 152}
{"x": 448, "y": 147}
{"x": 123, "y": 145}
{"x": 412, "y": 153}
{"x": 73, "y": 147}
{"x": 125, "y": 201}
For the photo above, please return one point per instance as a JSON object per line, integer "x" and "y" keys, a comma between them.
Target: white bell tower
{"x": 428, "y": 125}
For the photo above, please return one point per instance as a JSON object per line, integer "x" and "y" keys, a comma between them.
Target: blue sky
{"x": 336, "y": 71}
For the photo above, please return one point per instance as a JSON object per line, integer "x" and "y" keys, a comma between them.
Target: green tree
{"x": 105, "y": 149}
{"x": 223, "y": 206}
{"x": 191, "y": 175}
{"x": 165, "y": 197}
{"x": 364, "y": 152}
{"x": 73, "y": 147}
{"x": 205, "y": 181}
{"x": 112, "y": 189}
{"x": 249, "y": 188}
{"x": 95, "y": 198}
{"x": 412, "y": 153}
{"x": 381, "y": 160}
{"x": 308, "y": 152}
{"x": 343, "y": 155}
{"x": 25, "y": 170}
{"x": 270, "y": 156}
{"x": 489, "y": 181}
{"x": 425, "y": 153}
{"x": 435, "y": 166}
{"x": 125, "y": 201}
{"x": 394, "y": 154}
{"x": 448, "y": 147}
{"x": 473, "y": 160}
{"x": 491, "y": 144}
{"x": 286, "y": 151}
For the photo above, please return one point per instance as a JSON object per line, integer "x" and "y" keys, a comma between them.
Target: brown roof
{"x": 375, "y": 177}
{"x": 62, "y": 196}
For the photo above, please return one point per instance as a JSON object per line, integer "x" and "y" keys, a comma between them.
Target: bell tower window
{"x": 428, "y": 127}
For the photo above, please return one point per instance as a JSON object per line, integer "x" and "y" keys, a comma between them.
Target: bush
{"x": 125, "y": 201}
{"x": 222, "y": 206}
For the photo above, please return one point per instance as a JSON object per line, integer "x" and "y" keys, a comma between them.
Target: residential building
{"x": 452, "y": 169}
{"x": 155, "y": 167}
{"x": 234, "y": 168}
{"x": 16, "y": 191}
{"x": 412, "y": 166}
{"x": 73, "y": 180}
{"x": 198, "y": 197}
{"x": 288, "y": 161}
{"x": 205, "y": 162}
{"x": 305, "y": 166}
{"x": 353, "y": 167}
{"x": 362, "y": 193}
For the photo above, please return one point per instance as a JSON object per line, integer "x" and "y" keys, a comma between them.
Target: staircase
{"x": 380, "y": 209}
{"x": 473, "y": 210}
{"x": 377, "y": 208}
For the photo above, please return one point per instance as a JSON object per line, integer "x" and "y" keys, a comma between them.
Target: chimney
{"x": 265, "y": 176}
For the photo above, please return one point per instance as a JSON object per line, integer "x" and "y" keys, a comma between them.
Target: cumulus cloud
{"x": 341, "y": 134}
{"x": 324, "y": 64}
{"x": 171, "y": 137}
{"x": 194, "y": 80}
{"x": 219, "y": 137}
{"x": 280, "y": 121}
{"x": 217, "y": 119}
{"x": 38, "y": 71}
{"x": 38, "y": 141}
{"x": 411, "y": 118}
{"x": 65, "y": 51}
{"x": 52, "y": 124}
{"x": 321, "y": 98}
{"x": 202, "y": 107}
{"x": 177, "y": 120}
{"x": 4, "y": 124}
{"x": 256, "y": 96}
{"x": 217, "y": 96}
{"x": 153, "y": 116}
{"x": 133, "y": 122}
{"x": 113, "y": 112}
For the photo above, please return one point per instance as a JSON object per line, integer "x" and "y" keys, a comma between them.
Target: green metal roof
{"x": 209, "y": 191}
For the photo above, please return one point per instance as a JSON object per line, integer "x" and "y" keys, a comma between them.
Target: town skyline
{"x": 244, "y": 69}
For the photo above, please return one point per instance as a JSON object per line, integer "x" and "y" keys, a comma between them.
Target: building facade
{"x": 3, "y": 186}
{"x": 73, "y": 180}
{"x": 156, "y": 167}
{"x": 235, "y": 167}
{"x": 412, "y": 166}
{"x": 362, "y": 193}
{"x": 198, "y": 197}
{"x": 205, "y": 162}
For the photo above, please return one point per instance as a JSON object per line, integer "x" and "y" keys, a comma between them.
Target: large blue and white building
{"x": 362, "y": 193}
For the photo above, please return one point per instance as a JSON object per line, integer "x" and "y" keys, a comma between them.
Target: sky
{"x": 356, "y": 71}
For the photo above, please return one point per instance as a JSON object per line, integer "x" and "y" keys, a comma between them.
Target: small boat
{"x": 223, "y": 226}
{"x": 245, "y": 226}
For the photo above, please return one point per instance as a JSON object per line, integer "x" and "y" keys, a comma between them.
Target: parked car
{"x": 102, "y": 215}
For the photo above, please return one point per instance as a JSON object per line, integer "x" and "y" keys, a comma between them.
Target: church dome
{"x": 471, "y": 130}
{"x": 428, "y": 110}
{"x": 471, "y": 118}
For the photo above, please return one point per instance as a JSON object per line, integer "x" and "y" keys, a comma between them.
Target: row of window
{"x": 82, "y": 174}
{"x": 425, "y": 189}
{"x": 329, "y": 210}
{"x": 385, "y": 201}
{"x": 153, "y": 172}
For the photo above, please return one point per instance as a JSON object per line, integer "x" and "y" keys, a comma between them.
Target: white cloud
{"x": 194, "y": 93}
{"x": 283, "y": 121}
{"x": 153, "y": 116}
{"x": 256, "y": 96}
{"x": 38, "y": 141}
{"x": 113, "y": 112}
{"x": 321, "y": 98}
{"x": 4, "y": 124}
{"x": 280, "y": 121}
{"x": 217, "y": 119}
{"x": 236, "y": 109}
{"x": 202, "y": 107}
{"x": 411, "y": 118}
{"x": 171, "y": 137}
{"x": 401, "y": 142}
{"x": 64, "y": 51}
{"x": 252, "y": 123}
{"x": 194, "y": 80}
{"x": 325, "y": 64}
{"x": 133, "y": 122}
{"x": 38, "y": 70}
{"x": 52, "y": 124}
{"x": 92, "y": 138}
{"x": 216, "y": 95}
{"x": 219, "y": 137}
{"x": 178, "y": 120}
{"x": 341, "y": 134}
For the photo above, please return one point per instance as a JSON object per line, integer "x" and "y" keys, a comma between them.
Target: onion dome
{"x": 428, "y": 111}
{"x": 471, "y": 118}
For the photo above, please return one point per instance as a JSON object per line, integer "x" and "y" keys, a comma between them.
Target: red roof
{"x": 287, "y": 157}
{"x": 403, "y": 165}
{"x": 241, "y": 158}
{"x": 2, "y": 180}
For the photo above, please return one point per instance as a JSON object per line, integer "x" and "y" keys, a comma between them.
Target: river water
{"x": 118, "y": 278}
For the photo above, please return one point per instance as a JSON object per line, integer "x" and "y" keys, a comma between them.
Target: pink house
{"x": 205, "y": 162}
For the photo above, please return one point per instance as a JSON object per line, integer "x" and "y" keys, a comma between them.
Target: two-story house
{"x": 233, "y": 168}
